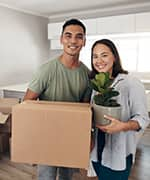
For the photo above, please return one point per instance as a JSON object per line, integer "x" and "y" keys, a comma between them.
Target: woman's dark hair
{"x": 74, "y": 22}
{"x": 117, "y": 67}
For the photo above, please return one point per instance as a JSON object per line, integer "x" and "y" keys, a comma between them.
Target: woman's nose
{"x": 99, "y": 59}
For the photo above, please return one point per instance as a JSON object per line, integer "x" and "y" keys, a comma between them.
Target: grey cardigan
{"x": 119, "y": 145}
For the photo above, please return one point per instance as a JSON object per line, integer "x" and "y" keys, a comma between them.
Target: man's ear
{"x": 84, "y": 42}
{"x": 60, "y": 39}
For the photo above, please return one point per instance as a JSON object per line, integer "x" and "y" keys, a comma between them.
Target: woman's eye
{"x": 94, "y": 56}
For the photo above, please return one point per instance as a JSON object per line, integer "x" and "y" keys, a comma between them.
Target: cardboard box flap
{"x": 54, "y": 105}
{"x": 6, "y": 104}
{"x": 61, "y": 103}
{"x": 3, "y": 118}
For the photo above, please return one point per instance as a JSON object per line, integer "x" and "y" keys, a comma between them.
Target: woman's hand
{"x": 114, "y": 127}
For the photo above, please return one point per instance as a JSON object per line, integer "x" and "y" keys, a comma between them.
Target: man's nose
{"x": 73, "y": 39}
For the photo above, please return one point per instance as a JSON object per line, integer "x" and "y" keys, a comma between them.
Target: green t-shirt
{"x": 55, "y": 82}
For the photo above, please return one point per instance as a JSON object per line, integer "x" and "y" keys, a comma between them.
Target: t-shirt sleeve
{"x": 39, "y": 81}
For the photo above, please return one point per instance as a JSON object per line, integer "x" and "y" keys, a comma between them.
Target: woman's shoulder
{"x": 128, "y": 78}
{"x": 130, "y": 81}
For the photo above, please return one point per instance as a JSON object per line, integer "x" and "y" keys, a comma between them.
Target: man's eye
{"x": 67, "y": 35}
{"x": 80, "y": 37}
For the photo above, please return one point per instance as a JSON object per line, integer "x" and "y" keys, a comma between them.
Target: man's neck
{"x": 69, "y": 62}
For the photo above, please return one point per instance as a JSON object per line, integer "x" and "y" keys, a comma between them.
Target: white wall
{"x": 23, "y": 45}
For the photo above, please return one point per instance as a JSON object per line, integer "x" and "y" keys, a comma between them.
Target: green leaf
{"x": 100, "y": 78}
{"x": 102, "y": 84}
{"x": 93, "y": 85}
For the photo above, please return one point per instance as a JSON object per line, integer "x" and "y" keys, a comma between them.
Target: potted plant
{"x": 104, "y": 102}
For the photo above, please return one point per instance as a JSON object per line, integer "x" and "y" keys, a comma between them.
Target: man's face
{"x": 73, "y": 39}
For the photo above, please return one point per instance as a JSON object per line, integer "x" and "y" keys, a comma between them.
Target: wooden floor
{"x": 140, "y": 171}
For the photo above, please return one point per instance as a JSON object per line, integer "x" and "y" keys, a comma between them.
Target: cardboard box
{"x": 5, "y": 123}
{"x": 51, "y": 133}
{"x": 6, "y": 105}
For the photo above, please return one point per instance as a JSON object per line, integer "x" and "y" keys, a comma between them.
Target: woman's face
{"x": 103, "y": 58}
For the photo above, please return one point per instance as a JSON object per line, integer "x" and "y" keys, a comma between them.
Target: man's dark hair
{"x": 74, "y": 22}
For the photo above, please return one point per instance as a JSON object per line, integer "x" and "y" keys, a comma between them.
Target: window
{"x": 134, "y": 50}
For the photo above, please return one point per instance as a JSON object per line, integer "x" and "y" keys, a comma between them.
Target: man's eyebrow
{"x": 80, "y": 34}
{"x": 67, "y": 33}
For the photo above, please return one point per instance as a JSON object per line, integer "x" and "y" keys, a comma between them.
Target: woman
{"x": 115, "y": 146}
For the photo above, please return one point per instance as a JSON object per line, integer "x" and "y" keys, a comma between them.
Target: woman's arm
{"x": 117, "y": 126}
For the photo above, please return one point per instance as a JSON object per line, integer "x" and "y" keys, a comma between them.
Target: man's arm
{"x": 30, "y": 95}
{"x": 87, "y": 96}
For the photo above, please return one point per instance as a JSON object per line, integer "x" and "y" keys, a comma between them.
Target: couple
{"x": 67, "y": 79}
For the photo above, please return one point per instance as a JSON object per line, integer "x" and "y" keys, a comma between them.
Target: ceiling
{"x": 57, "y": 10}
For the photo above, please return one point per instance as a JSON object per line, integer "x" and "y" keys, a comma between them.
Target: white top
{"x": 119, "y": 145}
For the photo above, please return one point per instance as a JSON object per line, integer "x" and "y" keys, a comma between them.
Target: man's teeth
{"x": 73, "y": 47}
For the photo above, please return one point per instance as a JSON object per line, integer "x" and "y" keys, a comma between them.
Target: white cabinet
{"x": 148, "y": 100}
{"x": 105, "y": 25}
{"x": 116, "y": 24}
{"x": 91, "y": 26}
{"x": 55, "y": 44}
{"x": 54, "y": 30}
{"x": 143, "y": 22}
{"x": 54, "y": 33}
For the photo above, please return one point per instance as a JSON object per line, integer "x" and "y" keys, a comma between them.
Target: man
{"x": 62, "y": 79}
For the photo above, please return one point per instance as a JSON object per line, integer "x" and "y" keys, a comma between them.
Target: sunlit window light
{"x": 134, "y": 50}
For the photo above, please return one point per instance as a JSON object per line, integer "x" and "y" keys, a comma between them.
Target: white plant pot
{"x": 100, "y": 111}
